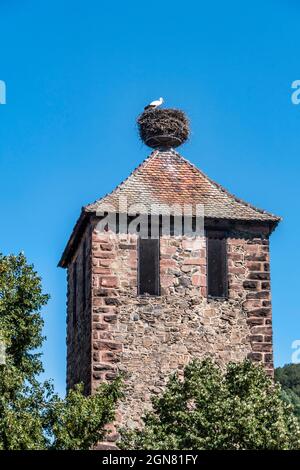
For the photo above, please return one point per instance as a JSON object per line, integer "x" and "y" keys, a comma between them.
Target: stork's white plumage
{"x": 154, "y": 104}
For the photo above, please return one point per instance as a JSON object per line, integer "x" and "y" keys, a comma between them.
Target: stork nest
{"x": 163, "y": 127}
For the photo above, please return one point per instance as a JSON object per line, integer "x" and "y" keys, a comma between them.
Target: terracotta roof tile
{"x": 166, "y": 178}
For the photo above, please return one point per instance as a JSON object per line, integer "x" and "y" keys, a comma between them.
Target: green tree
{"x": 240, "y": 408}
{"x": 31, "y": 415}
{"x": 289, "y": 378}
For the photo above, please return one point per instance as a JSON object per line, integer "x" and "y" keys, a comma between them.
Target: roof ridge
{"x": 224, "y": 190}
{"x": 143, "y": 163}
{"x": 160, "y": 182}
{"x": 156, "y": 152}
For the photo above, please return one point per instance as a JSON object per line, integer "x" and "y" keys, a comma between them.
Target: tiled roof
{"x": 166, "y": 178}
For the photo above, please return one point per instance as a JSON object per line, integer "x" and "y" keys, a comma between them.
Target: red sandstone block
{"x": 106, "y": 335}
{"x": 256, "y": 338}
{"x": 132, "y": 263}
{"x": 103, "y": 367}
{"x": 106, "y": 246}
{"x": 239, "y": 270}
{"x": 112, "y": 301}
{"x": 166, "y": 281}
{"x": 235, "y": 285}
{"x": 267, "y": 330}
{"x": 250, "y": 304}
{"x": 109, "y": 346}
{"x": 199, "y": 280}
{"x": 194, "y": 261}
{"x": 108, "y": 356}
{"x": 253, "y": 321}
{"x": 192, "y": 244}
{"x": 100, "y": 326}
{"x": 268, "y": 358}
{"x": 168, "y": 263}
{"x": 265, "y": 249}
{"x": 268, "y": 339}
{"x": 105, "y": 262}
{"x": 254, "y": 356}
{"x": 164, "y": 291}
{"x": 95, "y": 356}
{"x": 110, "y": 318}
{"x": 105, "y": 309}
{"x": 109, "y": 281}
{"x": 252, "y": 249}
{"x": 235, "y": 241}
{"x": 258, "y": 295}
{"x": 110, "y": 375}
{"x": 203, "y": 291}
{"x": 168, "y": 250}
{"x": 235, "y": 256}
{"x": 103, "y": 270}
{"x": 254, "y": 266}
{"x": 260, "y": 312}
{"x": 106, "y": 292}
{"x": 196, "y": 279}
{"x": 104, "y": 255}
{"x": 100, "y": 237}
{"x": 132, "y": 255}
{"x": 262, "y": 347}
{"x": 261, "y": 276}
{"x": 98, "y": 375}
{"x": 251, "y": 285}
{"x": 127, "y": 246}
{"x": 256, "y": 257}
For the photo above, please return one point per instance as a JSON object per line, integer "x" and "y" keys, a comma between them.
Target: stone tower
{"x": 147, "y": 305}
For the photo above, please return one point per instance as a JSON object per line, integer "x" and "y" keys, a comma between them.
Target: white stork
{"x": 154, "y": 104}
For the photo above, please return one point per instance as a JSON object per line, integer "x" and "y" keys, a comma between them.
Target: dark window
{"x": 148, "y": 266}
{"x": 216, "y": 267}
{"x": 84, "y": 275}
{"x": 74, "y": 293}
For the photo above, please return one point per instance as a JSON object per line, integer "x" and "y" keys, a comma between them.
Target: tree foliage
{"x": 289, "y": 378}
{"x": 31, "y": 415}
{"x": 240, "y": 408}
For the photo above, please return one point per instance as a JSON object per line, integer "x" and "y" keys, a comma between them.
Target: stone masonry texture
{"x": 148, "y": 338}
{"x": 79, "y": 330}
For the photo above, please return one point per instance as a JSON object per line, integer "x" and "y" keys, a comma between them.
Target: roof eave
{"x": 74, "y": 238}
{"x": 86, "y": 214}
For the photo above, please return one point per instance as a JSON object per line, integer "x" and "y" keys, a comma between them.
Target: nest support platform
{"x": 163, "y": 128}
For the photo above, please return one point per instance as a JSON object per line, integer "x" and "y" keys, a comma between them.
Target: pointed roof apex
{"x": 166, "y": 178}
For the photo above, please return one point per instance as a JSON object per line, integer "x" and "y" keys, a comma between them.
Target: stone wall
{"x": 256, "y": 260}
{"x": 151, "y": 337}
{"x": 79, "y": 327}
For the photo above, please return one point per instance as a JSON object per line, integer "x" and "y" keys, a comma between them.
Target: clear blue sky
{"x": 77, "y": 75}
